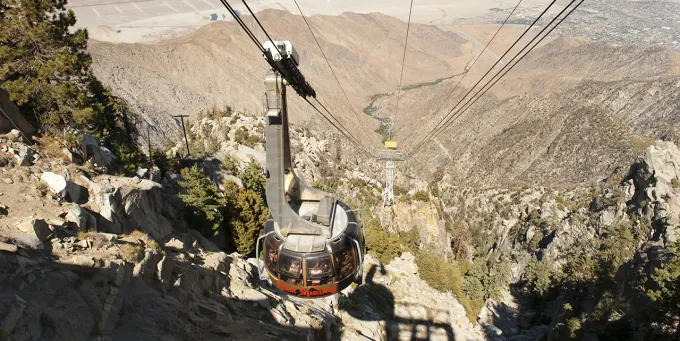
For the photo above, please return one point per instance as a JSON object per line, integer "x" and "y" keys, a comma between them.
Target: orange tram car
{"x": 318, "y": 266}
{"x": 313, "y": 243}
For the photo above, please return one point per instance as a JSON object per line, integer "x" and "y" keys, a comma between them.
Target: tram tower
{"x": 390, "y": 155}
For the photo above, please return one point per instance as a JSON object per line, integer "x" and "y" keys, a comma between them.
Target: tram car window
{"x": 273, "y": 261}
{"x": 272, "y": 252}
{"x": 319, "y": 270}
{"x": 290, "y": 269}
{"x": 345, "y": 263}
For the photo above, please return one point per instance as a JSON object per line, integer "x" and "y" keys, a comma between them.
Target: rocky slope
{"x": 325, "y": 160}
{"x": 85, "y": 255}
{"x": 514, "y": 224}
{"x": 618, "y": 98}
{"x": 115, "y": 254}
{"x": 627, "y": 223}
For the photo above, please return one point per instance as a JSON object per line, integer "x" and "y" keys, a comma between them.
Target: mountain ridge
{"x": 217, "y": 65}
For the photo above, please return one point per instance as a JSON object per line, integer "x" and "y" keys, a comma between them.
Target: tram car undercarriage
{"x": 313, "y": 244}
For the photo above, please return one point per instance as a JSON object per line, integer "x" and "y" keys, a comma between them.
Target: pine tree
{"x": 203, "y": 201}
{"x": 616, "y": 248}
{"x": 246, "y": 213}
{"x": 476, "y": 280}
{"x": 667, "y": 298}
{"x": 379, "y": 243}
{"x": 538, "y": 275}
{"x": 254, "y": 180}
{"x": 45, "y": 67}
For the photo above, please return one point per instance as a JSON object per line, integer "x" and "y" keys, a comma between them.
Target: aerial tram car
{"x": 313, "y": 244}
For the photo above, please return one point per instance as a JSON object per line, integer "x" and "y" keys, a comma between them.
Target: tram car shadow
{"x": 372, "y": 301}
{"x": 374, "y": 295}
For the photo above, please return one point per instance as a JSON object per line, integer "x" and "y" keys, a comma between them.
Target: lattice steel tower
{"x": 388, "y": 194}
{"x": 390, "y": 155}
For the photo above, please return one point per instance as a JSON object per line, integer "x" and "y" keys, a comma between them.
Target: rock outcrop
{"x": 656, "y": 177}
{"x": 125, "y": 204}
{"x": 636, "y": 212}
{"x": 166, "y": 295}
{"x": 82, "y": 219}
{"x": 424, "y": 217}
{"x": 107, "y": 286}
{"x": 37, "y": 228}
{"x": 92, "y": 150}
{"x": 64, "y": 189}
{"x": 395, "y": 304}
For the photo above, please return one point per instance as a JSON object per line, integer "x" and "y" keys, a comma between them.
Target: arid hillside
{"x": 219, "y": 65}
{"x": 529, "y": 128}
{"x": 570, "y": 112}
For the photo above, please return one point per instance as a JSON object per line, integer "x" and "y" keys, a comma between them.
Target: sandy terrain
{"x": 143, "y": 20}
{"x": 482, "y": 33}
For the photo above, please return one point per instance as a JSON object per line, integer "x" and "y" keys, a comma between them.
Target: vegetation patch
{"x": 327, "y": 184}
{"x": 539, "y": 276}
{"x": 383, "y": 130}
{"x": 245, "y": 213}
{"x": 667, "y": 297}
{"x": 675, "y": 183}
{"x": 254, "y": 180}
{"x": 421, "y": 196}
{"x": 242, "y": 211}
{"x": 242, "y": 136}
{"x": 379, "y": 243}
{"x": 203, "y": 201}
{"x": 424, "y": 84}
{"x": 439, "y": 274}
{"x": 371, "y": 109}
{"x": 132, "y": 253}
{"x": 148, "y": 241}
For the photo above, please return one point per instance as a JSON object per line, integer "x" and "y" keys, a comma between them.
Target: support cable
{"x": 474, "y": 62}
{"x": 243, "y": 25}
{"x": 15, "y": 125}
{"x": 347, "y": 133}
{"x": 260, "y": 24}
{"x": 509, "y": 66}
{"x": 344, "y": 132}
{"x": 361, "y": 148}
{"x": 465, "y": 106}
{"x": 231, "y": 10}
{"x": 327, "y": 62}
{"x": 403, "y": 59}
{"x": 438, "y": 126}
{"x": 356, "y": 142}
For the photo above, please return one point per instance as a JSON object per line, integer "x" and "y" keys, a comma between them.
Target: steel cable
{"x": 503, "y": 70}
{"x": 403, "y": 59}
{"x": 327, "y": 61}
{"x": 446, "y": 117}
{"x": 474, "y": 62}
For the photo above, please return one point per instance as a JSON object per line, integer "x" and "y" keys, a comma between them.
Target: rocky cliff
{"x": 575, "y": 255}
{"x": 86, "y": 255}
